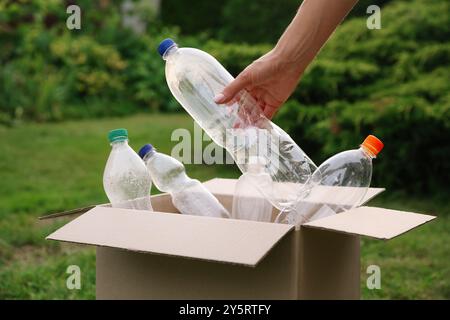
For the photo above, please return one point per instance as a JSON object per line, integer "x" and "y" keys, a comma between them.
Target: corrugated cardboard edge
{"x": 70, "y": 212}
{"x": 254, "y": 263}
{"x": 82, "y": 210}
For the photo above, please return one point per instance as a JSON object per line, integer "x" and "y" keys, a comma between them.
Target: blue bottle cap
{"x": 145, "y": 150}
{"x": 165, "y": 45}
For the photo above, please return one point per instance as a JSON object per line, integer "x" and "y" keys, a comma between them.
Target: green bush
{"x": 144, "y": 76}
{"x": 327, "y": 80}
{"x": 360, "y": 8}
{"x": 95, "y": 67}
{"x": 256, "y": 21}
{"x": 51, "y": 73}
{"x": 391, "y": 82}
{"x": 261, "y": 21}
{"x": 264, "y": 21}
{"x": 193, "y": 18}
{"x": 235, "y": 57}
{"x": 415, "y": 136}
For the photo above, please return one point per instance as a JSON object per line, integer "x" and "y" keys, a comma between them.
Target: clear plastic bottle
{"x": 126, "y": 180}
{"x": 189, "y": 196}
{"x": 350, "y": 169}
{"x": 248, "y": 202}
{"x": 195, "y": 78}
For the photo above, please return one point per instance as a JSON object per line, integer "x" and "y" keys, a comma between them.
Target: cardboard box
{"x": 143, "y": 255}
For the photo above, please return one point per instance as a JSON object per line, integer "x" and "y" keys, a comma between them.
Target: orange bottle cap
{"x": 373, "y": 144}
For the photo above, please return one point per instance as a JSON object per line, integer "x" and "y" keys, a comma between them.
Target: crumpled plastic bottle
{"x": 350, "y": 170}
{"x": 189, "y": 196}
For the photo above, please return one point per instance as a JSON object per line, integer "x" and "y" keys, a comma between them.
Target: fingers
{"x": 236, "y": 98}
{"x": 269, "y": 111}
{"x": 266, "y": 103}
{"x": 232, "y": 89}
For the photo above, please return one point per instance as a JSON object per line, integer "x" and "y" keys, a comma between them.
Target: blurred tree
{"x": 192, "y": 16}
{"x": 361, "y": 7}
{"x": 256, "y": 21}
{"x": 261, "y": 21}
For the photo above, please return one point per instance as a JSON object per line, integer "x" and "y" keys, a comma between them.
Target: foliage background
{"x": 61, "y": 90}
{"x": 392, "y": 82}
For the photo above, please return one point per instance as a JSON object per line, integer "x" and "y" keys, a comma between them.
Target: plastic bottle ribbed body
{"x": 167, "y": 173}
{"x": 126, "y": 180}
{"x": 189, "y": 196}
{"x": 195, "y": 78}
{"x": 350, "y": 169}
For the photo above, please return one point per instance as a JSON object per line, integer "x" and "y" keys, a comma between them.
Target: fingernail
{"x": 218, "y": 98}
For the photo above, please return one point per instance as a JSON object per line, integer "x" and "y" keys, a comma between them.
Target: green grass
{"x": 52, "y": 167}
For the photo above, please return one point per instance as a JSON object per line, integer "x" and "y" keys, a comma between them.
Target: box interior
{"x": 216, "y": 239}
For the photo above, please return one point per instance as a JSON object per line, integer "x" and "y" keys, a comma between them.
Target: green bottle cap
{"x": 118, "y": 135}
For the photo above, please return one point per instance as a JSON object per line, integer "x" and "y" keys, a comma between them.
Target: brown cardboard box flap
{"x": 214, "y": 239}
{"x": 372, "y": 222}
{"x": 221, "y": 186}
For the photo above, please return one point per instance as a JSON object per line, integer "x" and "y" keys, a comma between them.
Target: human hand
{"x": 270, "y": 80}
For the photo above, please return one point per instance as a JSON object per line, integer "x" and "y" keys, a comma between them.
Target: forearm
{"x": 313, "y": 24}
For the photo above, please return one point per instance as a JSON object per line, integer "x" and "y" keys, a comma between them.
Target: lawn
{"x": 52, "y": 167}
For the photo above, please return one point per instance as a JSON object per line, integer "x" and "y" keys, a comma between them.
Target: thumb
{"x": 230, "y": 91}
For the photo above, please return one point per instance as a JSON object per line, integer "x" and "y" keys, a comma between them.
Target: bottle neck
{"x": 367, "y": 152}
{"x": 149, "y": 155}
{"x": 170, "y": 52}
{"x": 119, "y": 143}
